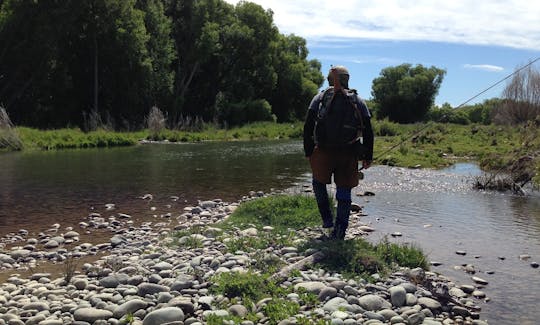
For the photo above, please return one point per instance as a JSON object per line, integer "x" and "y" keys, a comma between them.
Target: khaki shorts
{"x": 342, "y": 164}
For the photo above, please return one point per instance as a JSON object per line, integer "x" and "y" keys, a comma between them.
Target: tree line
{"x": 110, "y": 62}
{"x": 63, "y": 63}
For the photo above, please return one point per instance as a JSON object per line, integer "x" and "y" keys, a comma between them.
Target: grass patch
{"x": 440, "y": 145}
{"x": 189, "y": 238}
{"x": 283, "y": 212}
{"x": 359, "y": 258}
{"x": 74, "y": 138}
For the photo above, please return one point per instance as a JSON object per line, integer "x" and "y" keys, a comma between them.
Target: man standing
{"x": 337, "y": 134}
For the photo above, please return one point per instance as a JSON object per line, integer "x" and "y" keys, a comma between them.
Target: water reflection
{"x": 61, "y": 186}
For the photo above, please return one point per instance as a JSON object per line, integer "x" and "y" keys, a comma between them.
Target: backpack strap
{"x": 352, "y": 98}
{"x": 327, "y": 96}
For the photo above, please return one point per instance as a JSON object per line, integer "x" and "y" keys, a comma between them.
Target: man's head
{"x": 341, "y": 73}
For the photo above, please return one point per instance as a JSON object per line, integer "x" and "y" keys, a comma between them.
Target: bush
{"x": 385, "y": 128}
{"x": 245, "y": 111}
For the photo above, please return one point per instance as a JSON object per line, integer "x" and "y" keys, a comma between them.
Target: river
{"x": 436, "y": 210}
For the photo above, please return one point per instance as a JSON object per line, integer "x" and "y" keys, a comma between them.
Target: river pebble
{"x": 138, "y": 274}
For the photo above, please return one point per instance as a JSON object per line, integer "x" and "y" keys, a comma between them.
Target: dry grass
{"x": 9, "y": 138}
{"x": 155, "y": 122}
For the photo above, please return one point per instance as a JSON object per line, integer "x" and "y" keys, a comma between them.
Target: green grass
{"x": 439, "y": 145}
{"x": 283, "y": 212}
{"x": 34, "y": 139}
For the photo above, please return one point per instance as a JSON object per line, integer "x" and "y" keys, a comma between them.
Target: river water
{"x": 436, "y": 210}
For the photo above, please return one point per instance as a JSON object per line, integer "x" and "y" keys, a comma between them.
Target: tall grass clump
{"x": 155, "y": 121}
{"x": 9, "y": 138}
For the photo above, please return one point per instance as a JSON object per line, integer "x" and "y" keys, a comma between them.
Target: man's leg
{"x": 321, "y": 195}
{"x": 343, "y": 196}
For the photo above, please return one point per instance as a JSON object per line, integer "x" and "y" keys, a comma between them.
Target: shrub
{"x": 246, "y": 111}
{"x": 385, "y": 128}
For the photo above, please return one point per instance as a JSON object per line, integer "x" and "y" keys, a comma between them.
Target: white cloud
{"x": 485, "y": 67}
{"x": 511, "y": 23}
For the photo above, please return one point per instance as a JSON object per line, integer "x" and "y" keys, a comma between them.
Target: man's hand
{"x": 366, "y": 164}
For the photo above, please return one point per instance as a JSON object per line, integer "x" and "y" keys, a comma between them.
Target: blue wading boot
{"x": 323, "y": 203}
{"x": 343, "y": 196}
{"x": 342, "y": 219}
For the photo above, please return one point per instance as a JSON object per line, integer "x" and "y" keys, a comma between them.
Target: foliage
{"x": 279, "y": 309}
{"x": 406, "y": 255}
{"x": 75, "y": 139}
{"x": 249, "y": 286}
{"x": 358, "y": 257}
{"x": 385, "y": 128}
{"x": 438, "y": 144}
{"x": 235, "y": 114}
{"x": 405, "y": 93}
{"x": 32, "y": 139}
{"x": 107, "y": 62}
{"x": 446, "y": 114}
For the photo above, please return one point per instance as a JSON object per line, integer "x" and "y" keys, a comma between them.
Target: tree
{"x": 60, "y": 57}
{"x": 405, "y": 93}
{"x": 521, "y": 98}
{"x": 161, "y": 52}
{"x": 298, "y": 79}
{"x": 62, "y": 61}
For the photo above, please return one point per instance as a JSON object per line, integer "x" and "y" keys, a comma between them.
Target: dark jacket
{"x": 311, "y": 119}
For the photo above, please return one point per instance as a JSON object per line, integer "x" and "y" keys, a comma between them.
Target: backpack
{"x": 339, "y": 121}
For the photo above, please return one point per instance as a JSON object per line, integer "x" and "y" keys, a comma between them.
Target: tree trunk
{"x": 96, "y": 81}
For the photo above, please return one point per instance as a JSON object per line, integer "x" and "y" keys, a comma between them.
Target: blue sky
{"x": 477, "y": 42}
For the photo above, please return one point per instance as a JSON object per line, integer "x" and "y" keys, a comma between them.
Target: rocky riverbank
{"x": 140, "y": 278}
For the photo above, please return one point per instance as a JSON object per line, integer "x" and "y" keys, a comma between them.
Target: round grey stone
{"x": 150, "y": 289}
{"x": 164, "y": 315}
{"x": 129, "y": 307}
{"x": 398, "y": 296}
{"x": 432, "y": 304}
{"x": 311, "y": 286}
{"x": 91, "y": 315}
{"x": 327, "y": 292}
{"x": 371, "y": 302}
{"x": 238, "y": 310}
{"x": 335, "y": 304}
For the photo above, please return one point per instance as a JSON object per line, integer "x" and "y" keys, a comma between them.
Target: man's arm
{"x": 367, "y": 134}
{"x": 309, "y": 126}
